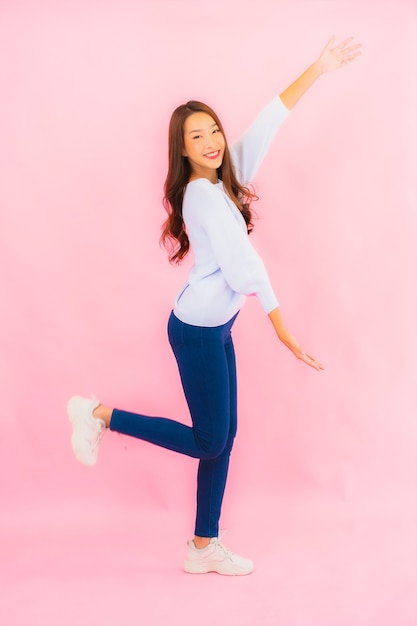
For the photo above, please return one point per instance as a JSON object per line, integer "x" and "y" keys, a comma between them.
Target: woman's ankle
{"x": 201, "y": 542}
{"x": 103, "y": 413}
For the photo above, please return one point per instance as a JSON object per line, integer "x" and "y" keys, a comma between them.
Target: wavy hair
{"x": 174, "y": 236}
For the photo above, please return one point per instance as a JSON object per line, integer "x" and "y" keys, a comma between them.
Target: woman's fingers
{"x": 309, "y": 360}
{"x": 344, "y": 42}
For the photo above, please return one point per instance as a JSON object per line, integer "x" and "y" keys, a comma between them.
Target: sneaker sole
{"x": 190, "y": 567}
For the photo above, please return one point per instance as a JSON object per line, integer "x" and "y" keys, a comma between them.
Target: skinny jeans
{"x": 207, "y": 366}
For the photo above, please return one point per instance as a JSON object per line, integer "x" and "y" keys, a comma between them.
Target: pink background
{"x": 322, "y": 485}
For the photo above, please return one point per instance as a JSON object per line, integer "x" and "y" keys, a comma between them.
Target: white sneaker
{"x": 215, "y": 558}
{"x": 87, "y": 430}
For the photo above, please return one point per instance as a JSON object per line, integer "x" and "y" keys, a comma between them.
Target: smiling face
{"x": 204, "y": 146}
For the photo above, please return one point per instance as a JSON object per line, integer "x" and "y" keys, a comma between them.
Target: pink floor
{"x": 318, "y": 564}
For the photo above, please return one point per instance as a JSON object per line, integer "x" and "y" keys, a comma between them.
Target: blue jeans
{"x": 207, "y": 367}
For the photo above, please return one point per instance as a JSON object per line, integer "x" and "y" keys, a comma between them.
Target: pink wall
{"x": 88, "y": 88}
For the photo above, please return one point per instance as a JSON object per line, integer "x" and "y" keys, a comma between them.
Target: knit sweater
{"x": 226, "y": 266}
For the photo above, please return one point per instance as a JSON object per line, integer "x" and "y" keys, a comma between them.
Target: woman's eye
{"x": 197, "y": 137}
{"x": 216, "y": 130}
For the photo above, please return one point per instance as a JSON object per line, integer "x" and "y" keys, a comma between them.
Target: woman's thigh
{"x": 204, "y": 360}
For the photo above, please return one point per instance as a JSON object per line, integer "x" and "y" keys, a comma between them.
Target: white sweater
{"x": 226, "y": 266}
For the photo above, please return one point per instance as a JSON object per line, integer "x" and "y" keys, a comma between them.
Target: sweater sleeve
{"x": 248, "y": 152}
{"x": 240, "y": 264}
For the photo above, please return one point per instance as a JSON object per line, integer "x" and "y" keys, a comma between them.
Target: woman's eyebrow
{"x": 199, "y": 130}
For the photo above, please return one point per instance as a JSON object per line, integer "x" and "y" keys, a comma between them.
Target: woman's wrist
{"x": 317, "y": 68}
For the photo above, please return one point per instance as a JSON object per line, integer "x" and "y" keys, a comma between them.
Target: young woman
{"x": 207, "y": 199}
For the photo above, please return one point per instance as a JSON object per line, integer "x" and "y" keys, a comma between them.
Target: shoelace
{"x": 228, "y": 553}
{"x": 98, "y": 439}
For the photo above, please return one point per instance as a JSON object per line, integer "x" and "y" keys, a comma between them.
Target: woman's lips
{"x": 213, "y": 155}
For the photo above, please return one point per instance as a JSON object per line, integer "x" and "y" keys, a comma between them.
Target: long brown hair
{"x": 174, "y": 236}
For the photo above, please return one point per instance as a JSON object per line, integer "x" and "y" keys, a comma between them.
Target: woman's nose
{"x": 211, "y": 141}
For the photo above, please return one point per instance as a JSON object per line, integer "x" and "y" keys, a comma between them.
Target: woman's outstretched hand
{"x": 330, "y": 59}
{"x": 309, "y": 360}
{"x": 291, "y": 342}
{"x": 343, "y": 54}
{"x": 293, "y": 345}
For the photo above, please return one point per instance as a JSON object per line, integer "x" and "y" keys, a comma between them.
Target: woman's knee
{"x": 212, "y": 445}
{"x": 213, "y": 448}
